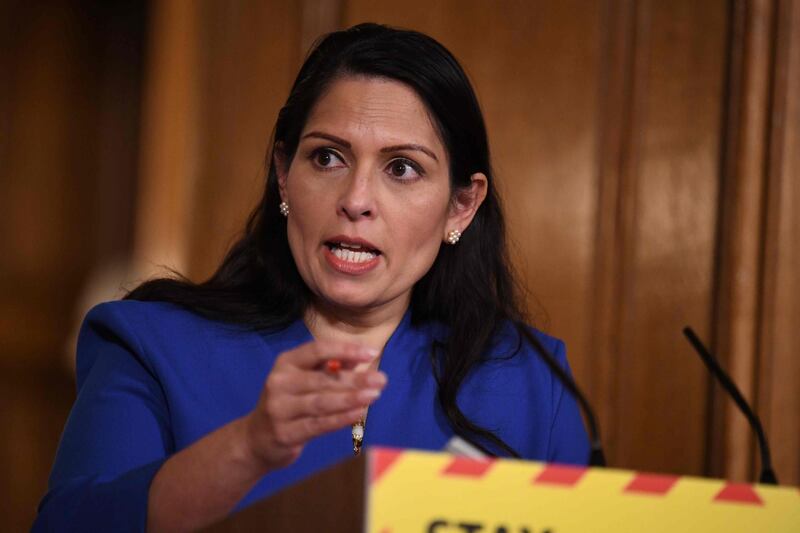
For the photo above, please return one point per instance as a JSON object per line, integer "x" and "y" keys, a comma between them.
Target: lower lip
{"x": 347, "y": 267}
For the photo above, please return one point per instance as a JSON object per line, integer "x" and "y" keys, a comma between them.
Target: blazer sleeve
{"x": 116, "y": 438}
{"x": 569, "y": 442}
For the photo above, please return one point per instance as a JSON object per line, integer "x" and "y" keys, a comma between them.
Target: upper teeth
{"x": 353, "y": 257}
{"x": 353, "y": 246}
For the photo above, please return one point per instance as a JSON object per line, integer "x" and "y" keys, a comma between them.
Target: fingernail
{"x": 376, "y": 380}
{"x": 371, "y": 352}
{"x": 369, "y": 394}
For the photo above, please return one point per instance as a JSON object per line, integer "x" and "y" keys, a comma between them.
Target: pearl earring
{"x": 453, "y": 236}
{"x": 284, "y": 207}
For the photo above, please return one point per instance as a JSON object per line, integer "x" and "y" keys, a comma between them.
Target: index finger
{"x": 316, "y": 353}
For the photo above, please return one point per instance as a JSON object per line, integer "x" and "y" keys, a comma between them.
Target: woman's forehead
{"x": 374, "y": 110}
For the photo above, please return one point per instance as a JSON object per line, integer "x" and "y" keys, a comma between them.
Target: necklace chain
{"x": 359, "y": 428}
{"x": 358, "y": 436}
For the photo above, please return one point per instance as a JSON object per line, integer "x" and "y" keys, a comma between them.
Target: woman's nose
{"x": 358, "y": 199}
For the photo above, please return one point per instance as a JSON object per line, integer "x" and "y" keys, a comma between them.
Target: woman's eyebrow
{"x": 329, "y": 137}
{"x": 394, "y": 148}
{"x": 417, "y": 147}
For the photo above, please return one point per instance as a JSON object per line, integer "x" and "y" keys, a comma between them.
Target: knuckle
{"x": 337, "y": 401}
{"x": 331, "y": 403}
{"x": 354, "y": 398}
{"x": 317, "y": 403}
{"x": 273, "y": 406}
{"x": 277, "y": 380}
{"x": 353, "y": 380}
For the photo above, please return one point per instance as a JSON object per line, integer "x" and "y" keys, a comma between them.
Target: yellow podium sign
{"x": 412, "y": 491}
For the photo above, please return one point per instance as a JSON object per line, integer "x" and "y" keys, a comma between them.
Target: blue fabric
{"x": 153, "y": 378}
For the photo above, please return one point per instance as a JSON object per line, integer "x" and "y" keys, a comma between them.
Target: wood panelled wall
{"x": 647, "y": 151}
{"x": 776, "y": 367}
{"x": 70, "y": 76}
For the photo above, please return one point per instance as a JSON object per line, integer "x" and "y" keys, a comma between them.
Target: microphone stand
{"x": 767, "y": 476}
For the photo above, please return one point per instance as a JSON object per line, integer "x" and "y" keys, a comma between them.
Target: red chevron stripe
{"x": 464, "y": 466}
{"x": 739, "y": 493}
{"x": 380, "y": 460}
{"x": 651, "y": 484}
{"x": 560, "y": 475}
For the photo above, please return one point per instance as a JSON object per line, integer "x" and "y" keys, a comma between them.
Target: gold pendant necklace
{"x": 358, "y": 436}
{"x": 359, "y": 427}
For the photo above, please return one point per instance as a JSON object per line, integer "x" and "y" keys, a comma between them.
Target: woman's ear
{"x": 466, "y": 202}
{"x": 281, "y": 163}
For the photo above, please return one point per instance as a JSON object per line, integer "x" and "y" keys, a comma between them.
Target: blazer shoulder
{"x": 509, "y": 342}
{"x": 133, "y": 313}
{"x": 145, "y": 321}
{"x": 144, "y": 329}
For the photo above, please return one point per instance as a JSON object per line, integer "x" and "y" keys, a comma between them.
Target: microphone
{"x": 767, "y": 474}
{"x": 596, "y": 456}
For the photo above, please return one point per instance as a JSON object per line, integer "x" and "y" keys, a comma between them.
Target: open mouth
{"x": 352, "y": 252}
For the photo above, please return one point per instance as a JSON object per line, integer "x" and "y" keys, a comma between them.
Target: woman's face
{"x": 369, "y": 195}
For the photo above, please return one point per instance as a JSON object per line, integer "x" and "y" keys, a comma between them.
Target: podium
{"x": 397, "y": 491}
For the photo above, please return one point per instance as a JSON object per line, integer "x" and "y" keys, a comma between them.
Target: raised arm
{"x": 117, "y": 468}
{"x": 202, "y": 483}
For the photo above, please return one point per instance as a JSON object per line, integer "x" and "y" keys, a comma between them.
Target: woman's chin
{"x": 355, "y": 299}
{"x": 350, "y": 301}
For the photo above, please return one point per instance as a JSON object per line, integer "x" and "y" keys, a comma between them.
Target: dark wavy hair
{"x": 470, "y": 287}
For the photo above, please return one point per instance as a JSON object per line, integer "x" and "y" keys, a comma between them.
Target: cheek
{"x": 419, "y": 227}
{"x": 295, "y": 238}
{"x": 303, "y": 231}
{"x": 306, "y": 212}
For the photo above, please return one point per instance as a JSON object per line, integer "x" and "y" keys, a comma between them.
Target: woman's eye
{"x": 404, "y": 169}
{"x": 327, "y": 159}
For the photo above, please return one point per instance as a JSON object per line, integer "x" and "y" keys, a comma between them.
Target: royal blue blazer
{"x": 153, "y": 378}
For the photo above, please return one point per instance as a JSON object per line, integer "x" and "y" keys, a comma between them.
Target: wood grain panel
{"x": 616, "y": 165}
{"x": 171, "y": 129}
{"x": 779, "y": 368}
{"x": 250, "y": 52}
{"x": 44, "y": 125}
{"x": 69, "y": 96}
{"x": 218, "y": 74}
{"x": 65, "y": 187}
{"x": 741, "y": 238}
{"x": 319, "y": 17}
{"x": 669, "y": 238}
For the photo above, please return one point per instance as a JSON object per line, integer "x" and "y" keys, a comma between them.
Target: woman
{"x": 370, "y": 292}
